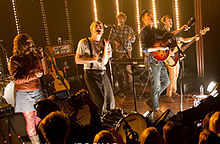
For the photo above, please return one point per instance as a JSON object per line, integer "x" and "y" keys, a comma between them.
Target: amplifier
{"x": 61, "y": 50}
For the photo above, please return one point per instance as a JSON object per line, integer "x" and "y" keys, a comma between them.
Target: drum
{"x": 9, "y": 93}
{"x": 136, "y": 121}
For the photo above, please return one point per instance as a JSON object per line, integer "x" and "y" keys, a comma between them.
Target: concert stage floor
{"x": 127, "y": 103}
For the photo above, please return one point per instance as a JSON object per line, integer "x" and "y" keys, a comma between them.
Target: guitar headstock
{"x": 191, "y": 22}
{"x": 204, "y": 30}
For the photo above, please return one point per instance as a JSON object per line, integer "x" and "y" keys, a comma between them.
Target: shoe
{"x": 157, "y": 113}
{"x": 170, "y": 100}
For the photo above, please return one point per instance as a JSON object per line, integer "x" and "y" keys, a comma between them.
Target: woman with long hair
{"x": 26, "y": 67}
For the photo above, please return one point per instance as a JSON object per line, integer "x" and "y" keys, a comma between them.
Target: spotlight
{"x": 212, "y": 86}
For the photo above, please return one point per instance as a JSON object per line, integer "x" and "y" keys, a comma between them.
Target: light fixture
{"x": 117, "y": 7}
{"x": 139, "y": 27}
{"x": 212, "y": 88}
{"x": 95, "y": 10}
{"x": 154, "y": 12}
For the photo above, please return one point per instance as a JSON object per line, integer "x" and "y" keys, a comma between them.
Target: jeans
{"x": 159, "y": 82}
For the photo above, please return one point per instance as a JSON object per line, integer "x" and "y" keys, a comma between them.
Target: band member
{"x": 159, "y": 76}
{"x": 173, "y": 71}
{"x": 122, "y": 36}
{"x": 26, "y": 67}
{"x": 94, "y": 53}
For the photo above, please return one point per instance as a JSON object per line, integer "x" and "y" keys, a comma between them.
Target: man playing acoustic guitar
{"x": 173, "y": 70}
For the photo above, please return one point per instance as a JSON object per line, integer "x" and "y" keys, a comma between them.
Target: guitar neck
{"x": 188, "y": 44}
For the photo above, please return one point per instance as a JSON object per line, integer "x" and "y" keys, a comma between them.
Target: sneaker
{"x": 157, "y": 113}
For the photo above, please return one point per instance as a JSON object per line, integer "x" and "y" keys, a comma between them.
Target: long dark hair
{"x": 19, "y": 43}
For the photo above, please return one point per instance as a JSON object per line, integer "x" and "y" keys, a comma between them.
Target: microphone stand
{"x": 42, "y": 79}
{"x": 181, "y": 62}
{"x": 133, "y": 77}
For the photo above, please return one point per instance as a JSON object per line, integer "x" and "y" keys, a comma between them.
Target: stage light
{"x": 139, "y": 27}
{"x": 68, "y": 20}
{"x": 15, "y": 16}
{"x": 154, "y": 13}
{"x": 177, "y": 14}
{"x": 95, "y": 10}
{"x": 117, "y": 6}
{"x": 212, "y": 88}
{"x": 44, "y": 17}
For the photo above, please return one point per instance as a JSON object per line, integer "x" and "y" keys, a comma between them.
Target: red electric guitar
{"x": 162, "y": 55}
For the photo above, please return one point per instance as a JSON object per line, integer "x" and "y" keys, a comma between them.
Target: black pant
{"x": 100, "y": 89}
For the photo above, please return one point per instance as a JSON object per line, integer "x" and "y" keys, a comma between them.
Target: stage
{"x": 126, "y": 102}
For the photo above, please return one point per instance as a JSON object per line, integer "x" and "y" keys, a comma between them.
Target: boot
{"x": 35, "y": 139}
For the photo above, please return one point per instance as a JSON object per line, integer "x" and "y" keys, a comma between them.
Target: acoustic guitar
{"x": 162, "y": 55}
{"x": 58, "y": 85}
{"x": 173, "y": 60}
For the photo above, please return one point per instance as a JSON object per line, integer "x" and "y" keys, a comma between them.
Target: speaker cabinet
{"x": 71, "y": 70}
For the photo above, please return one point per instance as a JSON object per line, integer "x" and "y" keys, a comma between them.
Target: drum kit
{"x": 129, "y": 125}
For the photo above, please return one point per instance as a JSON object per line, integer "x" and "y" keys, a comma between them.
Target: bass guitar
{"x": 162, "y": 55}
{"x": 173, "y": 60}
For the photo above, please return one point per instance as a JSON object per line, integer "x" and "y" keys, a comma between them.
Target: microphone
{"x": 109, "y": 26}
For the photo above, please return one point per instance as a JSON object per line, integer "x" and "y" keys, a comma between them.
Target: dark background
{"x": 81, "y": 13}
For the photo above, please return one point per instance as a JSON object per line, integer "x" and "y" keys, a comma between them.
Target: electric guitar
{"x": 173, "y": 60}
{"x": 162, "y": 55}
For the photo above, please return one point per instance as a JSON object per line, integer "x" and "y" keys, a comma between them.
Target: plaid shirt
{"x": 121, "y": 36}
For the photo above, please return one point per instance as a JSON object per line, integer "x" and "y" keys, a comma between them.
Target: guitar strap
{"x": 90, "y": 49}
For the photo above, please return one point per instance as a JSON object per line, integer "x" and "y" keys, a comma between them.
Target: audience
{"x": 55, "y": 127}
{"x": 78, "y": 108}
{"x": 208, "y": 137}
{"x": 45, "y": 107}
{"x": 214, "y": 123}
{"x": 173, "y": 133}
{"x": 105, "y": 137}
{"x": 205, "y": 122}
{"x": 151, "y": 136}
{"x": 70, "y": 127}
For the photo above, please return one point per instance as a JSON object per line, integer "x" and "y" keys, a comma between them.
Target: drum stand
{"x": 129, "y": 132}
{"x": 10, "y": 126}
